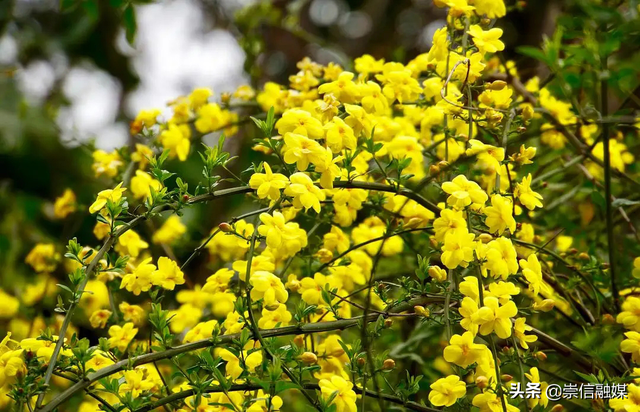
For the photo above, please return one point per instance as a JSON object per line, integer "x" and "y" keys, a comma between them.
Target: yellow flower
{"x": 142, "y": 155}
{"x": 142, "y": 184}
{"x": 130, "y": 243}
{"x": 372, "y": 228}
{"x": 492, "y": 8}
{"x": 486, "y": 41}
{"x": 457, "y": 249}
{"x": 446, "y": 391}
{"x": 336, "y": 240}
{"x": 468, "y": 309}
{"x": 300, "y": 122}
{"x": 268, "y": 184}
{"x": 11, "y": 364}
{"x": 630, "y": 315}
{"x": 503, "y": 291}
{"x": 43, "y": 348}
{"x": 187, "y": 316}
{"x": 202, "y": 330}
{"x": 558, "y": 109}
{"x": 490, "y": 402}
{"x": 95, "y": 296}
{"x": 98, "y": 361}
{"x": 147, "y": 117}
{"x": 311, "y": 288}
{"x": 345, "y": 398}
{"x": 339, "y": 135}
{"x": 532, "y": 271}
{"x": 366, "y": 64}
{"x": 449, "y": 221}
{"x": 65, "y": 204}
{"x": 304, "y": 192}
{"x": 462, "y": 192}
{"x": 140, "y": 279}
{"x": 500, "y": 215}
{"x": 199, "y": 97}
{"x": 121, "y": 336}
{"x": 301, "y": 150}
{"x": 132, "y": 313}
{"x": 534, "y": 377}
{"x": 99, "y": 318}
{"x": 106, "y": 163}
{"x": 43, "y": 257}
{"x": 469, "y": 287}
{"x": 233, "y": 368}
{"x": 168, "y": 274}
{"x": 519, "y": 329}
{"x": 462, "y": 351}
{"x": 273, "y": 318}
{"x": 263, "y": 401}
{"x": 527, "y": 197}
{"x": 501, "y": 258}
{"x": 437, "y": 273}
{"x": 174, "y": 140}
{"x": 563, "y": 243}
{"x": 171, "y": 230}
{"x": 284, "y": 239}
{"x": 636, "y": 268}
{"x": 493, "y": 317}
{"x": 267, "y": 286}
{"x": 113, "y": 195}
{"x": 525, "y": 155}
{"x": 135, "y": 383}
{"x": 344, "y": 89}
{"x": 9, "y": 307}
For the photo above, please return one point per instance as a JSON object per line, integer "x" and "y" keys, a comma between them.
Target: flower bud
{"x": 506, "y": 378}
{"x": 413, "y": 223}
{"x": 437, "y": 273}
{"x": 225, "y": 97}
{"x": 608, "y": 319}
{"x": 324, "y": 255}
{"x": 433, "y": 242}
{"x": 505, "y": 349}
{"x": 388, "y": 323}
{"x": 497, "y": 85}
{"x": 527, "y": 111}
{"x": 482, "y": 382}
{"x": 185, "y": 198}
{"x": 420, "y": 310}
{"x": 584, "y": 256}
{"x": 299, "y": 340}
{"x": 388, "y": 364}
{"x": 361, "y": 362}
{"x": 557, "y": 408}
{"x": 573, "y": 251}
{"x": 309, "y": 358}
{"x": 544, "y": 306}
{"x": 541, "y": 356}
{"x": 485, "y": 238}
{"x": 522, "y": 129}
{"x": 434, "y": 170}
{"x": 225, "y": 227}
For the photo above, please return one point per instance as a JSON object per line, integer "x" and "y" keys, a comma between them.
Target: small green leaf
{"x": 130, "y": 24}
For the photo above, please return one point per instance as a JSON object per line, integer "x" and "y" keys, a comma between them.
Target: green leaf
{"x": 532, "y": 52}
{"x": 282, "y": 386}
{"x": 624, "y": 202}
{"x": 130, "y": 24}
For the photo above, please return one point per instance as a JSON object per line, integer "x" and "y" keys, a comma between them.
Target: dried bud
{"x": 506, "y": 378}
{"x": 420, "y": 310}
{"x": 433, "y": 242}
{"x": 544, "y": 306}
{"x": 573, "y": 251}
{"x": 437, "y": 273}
{"x": 482, "y": 382}
{"x": 522, "y": 129}
{"x": 309, "y": 358}
{"x": 185, "y": 198}
{"x": 324, "y": 255}
{"x": 388, "y": 323}
{"x": 605, "y": 266}
{"x": 361, "y": 362}
{"x": 485, "y": 21}
{"x": 541, "y": 356}
{"x": 388, "y": 364}
{"x": 136, "y": 127}
{"x": 225, "y": 227}
{"x": 225, "y": 97}
{"x": 299, "y": 340}
{"x": 557, "y": 408}
{"x": 485, "y": 238}
{"x": 506, "y": 349}
{"x": 497, "y": 85}
{"x": 434, "y": 170}
{"x": 608, "y": 319}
